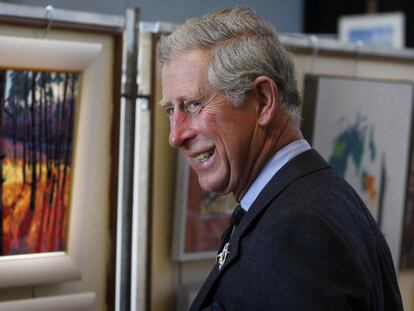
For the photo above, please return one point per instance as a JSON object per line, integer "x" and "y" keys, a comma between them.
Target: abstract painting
{"x": 38, "y": 113}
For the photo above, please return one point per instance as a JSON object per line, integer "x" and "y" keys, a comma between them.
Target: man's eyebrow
{"x": 164, "y": 103}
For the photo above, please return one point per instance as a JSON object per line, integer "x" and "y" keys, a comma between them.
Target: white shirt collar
{"x": 275, "y": 163}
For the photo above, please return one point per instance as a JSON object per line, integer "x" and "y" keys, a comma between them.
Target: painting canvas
{"x": 363, "y": 129}
{"x": 200, "y": 217}
{"x": 37, "y": 112}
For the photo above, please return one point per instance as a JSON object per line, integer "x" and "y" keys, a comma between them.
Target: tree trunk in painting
{"x": 57, "y": 143}
{"x": 69, "y": 131}
{"x": 14, "y": 127}
{"x": 33, "y": 142}
{"x": 47, "y": 130}
{"x": 61, "y": 131}
{"x": 40, "y": 126}
{"x": 2, "y": 154}
{"x": 25, "y": 125}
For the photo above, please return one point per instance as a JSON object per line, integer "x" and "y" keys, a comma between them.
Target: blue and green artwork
{"x": 354, "y": 157}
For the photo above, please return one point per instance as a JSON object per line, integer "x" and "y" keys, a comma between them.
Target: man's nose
{"x": 180, "y": 129}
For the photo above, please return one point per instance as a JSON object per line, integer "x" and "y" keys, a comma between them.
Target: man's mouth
{"x": 202, "y": 157}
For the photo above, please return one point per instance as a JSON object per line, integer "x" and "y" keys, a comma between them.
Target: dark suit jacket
{"x": 307, "y": 243}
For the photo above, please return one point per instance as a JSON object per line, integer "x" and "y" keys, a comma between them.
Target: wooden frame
{"x": 37, "y": 54}
{"x": 200, "y": 217}
{"x": 363, "y": 128}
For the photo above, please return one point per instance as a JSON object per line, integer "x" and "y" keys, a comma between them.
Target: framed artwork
{"x": 382, "y": 30}
{"x": 363, "y": 128}
{"x": 200, "y": 217}
{"x": 44, "y": 86}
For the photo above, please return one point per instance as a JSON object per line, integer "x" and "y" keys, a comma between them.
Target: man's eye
{"x": 169, "y": 110}
{"x": 192, "y": 107}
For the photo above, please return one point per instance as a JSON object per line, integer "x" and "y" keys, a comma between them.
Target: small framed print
{"x": 200, "y": 217}
{"x": 381, "y": 30}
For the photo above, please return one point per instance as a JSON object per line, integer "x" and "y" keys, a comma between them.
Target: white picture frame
{"x": 73, "y": 302}
{"x": 83, "y": 57}
{"x": 381, "y": 30}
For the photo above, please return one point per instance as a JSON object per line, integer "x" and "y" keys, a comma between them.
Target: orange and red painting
{"x": 37, "y": 118}
{"x": 207, "y": 217}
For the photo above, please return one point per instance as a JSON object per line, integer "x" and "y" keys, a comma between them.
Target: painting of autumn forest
{"x": 37, "y": 117}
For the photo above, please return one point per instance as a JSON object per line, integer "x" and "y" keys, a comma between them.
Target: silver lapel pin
{"x": 221, "y": 258}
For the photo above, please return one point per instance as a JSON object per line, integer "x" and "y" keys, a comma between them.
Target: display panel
{"x": 363, "y": 129}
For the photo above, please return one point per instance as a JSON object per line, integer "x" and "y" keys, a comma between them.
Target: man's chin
{"x": 215, "y": 187}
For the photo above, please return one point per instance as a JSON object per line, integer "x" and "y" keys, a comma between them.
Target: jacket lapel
{"x": 306, "y": 163}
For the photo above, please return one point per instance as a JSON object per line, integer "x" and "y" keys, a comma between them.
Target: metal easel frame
{"x": 132, "y": 282}
{"x": 124, "y": 30}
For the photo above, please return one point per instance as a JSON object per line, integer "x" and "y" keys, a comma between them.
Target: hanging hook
{"x": 314, "y": 41}
{"x": 358, "y": 44}
{"x": 49, "y": 18}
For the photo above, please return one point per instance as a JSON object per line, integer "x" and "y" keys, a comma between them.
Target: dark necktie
{"x": 235, "y": 219}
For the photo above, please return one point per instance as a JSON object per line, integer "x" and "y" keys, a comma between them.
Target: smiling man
{"x": 306, "y": 241}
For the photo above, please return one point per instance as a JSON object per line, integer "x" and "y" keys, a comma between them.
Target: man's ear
{"x": 266, "y": 93}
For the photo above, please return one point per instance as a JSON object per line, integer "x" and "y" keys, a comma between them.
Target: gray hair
{"x": 241, "y": 47}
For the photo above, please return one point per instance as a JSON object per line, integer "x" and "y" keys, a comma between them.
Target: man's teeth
{"x": 203, "y": 156}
